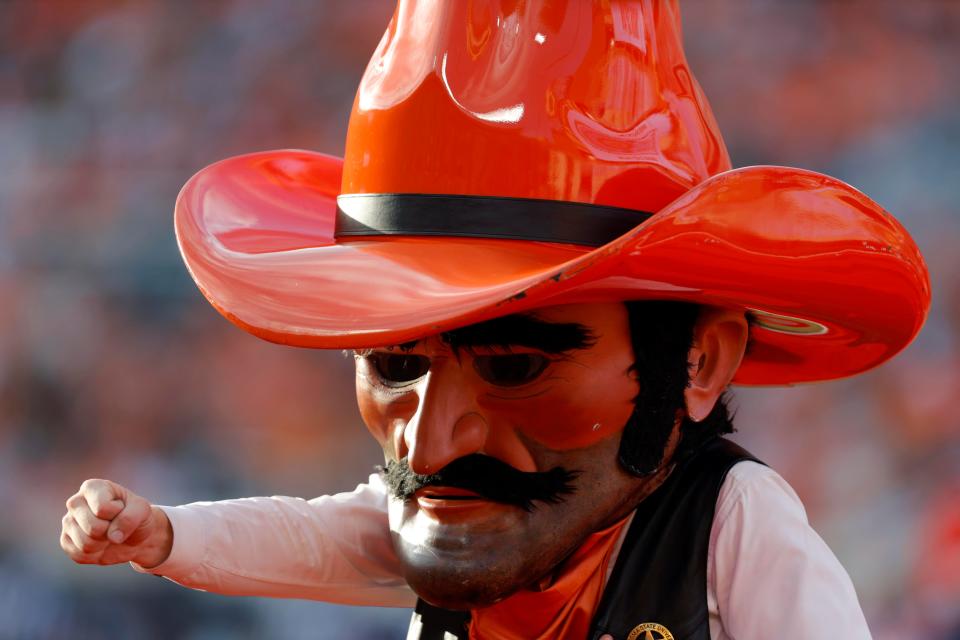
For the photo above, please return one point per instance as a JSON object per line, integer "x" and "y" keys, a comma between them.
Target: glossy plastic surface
{"x": 841, "y": 284}
{"x": 578, "y": 101}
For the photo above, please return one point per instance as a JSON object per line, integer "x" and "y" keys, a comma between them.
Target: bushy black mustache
{"x": 490, "y": 478}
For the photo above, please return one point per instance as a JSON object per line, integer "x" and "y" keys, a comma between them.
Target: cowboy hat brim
{"x": 833, "y": 283}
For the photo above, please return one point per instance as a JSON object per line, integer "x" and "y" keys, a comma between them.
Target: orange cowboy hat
{"x": 506, "y": 155}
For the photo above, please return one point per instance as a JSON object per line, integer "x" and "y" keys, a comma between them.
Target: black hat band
{"x": 529, "y": 219}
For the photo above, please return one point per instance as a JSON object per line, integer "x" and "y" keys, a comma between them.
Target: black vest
{"x": 660, "y": 577}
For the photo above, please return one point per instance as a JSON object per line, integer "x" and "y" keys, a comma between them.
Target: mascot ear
{"x": 719, "y": 342}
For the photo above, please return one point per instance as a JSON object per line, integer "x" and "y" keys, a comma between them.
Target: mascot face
{"x": 501, "y": 443}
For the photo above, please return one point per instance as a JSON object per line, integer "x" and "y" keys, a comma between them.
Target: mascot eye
{"x": 510, "y": 370}
{"x": 399, "y": 368}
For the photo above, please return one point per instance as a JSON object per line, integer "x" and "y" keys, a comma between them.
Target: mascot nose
{"x": 446, "y": 425}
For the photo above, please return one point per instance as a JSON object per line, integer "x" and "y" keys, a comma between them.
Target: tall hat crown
{"x": 589, "y": 102}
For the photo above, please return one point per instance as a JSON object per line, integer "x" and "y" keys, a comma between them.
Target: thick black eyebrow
{"x": 522, "y": 330}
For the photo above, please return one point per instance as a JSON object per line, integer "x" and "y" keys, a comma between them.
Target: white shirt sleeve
{"x": 333, "y": 548}
{"x": 769, "y": 575}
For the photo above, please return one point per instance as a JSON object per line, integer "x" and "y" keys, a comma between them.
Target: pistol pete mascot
{"x": 549, "y": 274}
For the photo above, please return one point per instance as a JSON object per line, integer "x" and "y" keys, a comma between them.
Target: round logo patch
{"x": 650, "y": 631}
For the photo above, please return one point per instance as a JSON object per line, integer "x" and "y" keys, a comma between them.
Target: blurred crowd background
{"x": 112, "y": 365}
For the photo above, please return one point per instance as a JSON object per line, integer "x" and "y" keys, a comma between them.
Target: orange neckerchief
{"x": 564, "y": 608}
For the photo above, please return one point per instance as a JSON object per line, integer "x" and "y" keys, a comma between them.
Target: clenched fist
{"x": 107, "y": 523}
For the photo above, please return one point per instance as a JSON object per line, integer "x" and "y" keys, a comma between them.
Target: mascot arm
{"x": 332, "y": 548}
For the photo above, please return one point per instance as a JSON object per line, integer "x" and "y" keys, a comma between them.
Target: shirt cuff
{"x": 189, "y": 544}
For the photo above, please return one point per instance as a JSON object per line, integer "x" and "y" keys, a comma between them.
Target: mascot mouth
{"x": 447, "y": 493}
{"x": 480, "y": 478}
